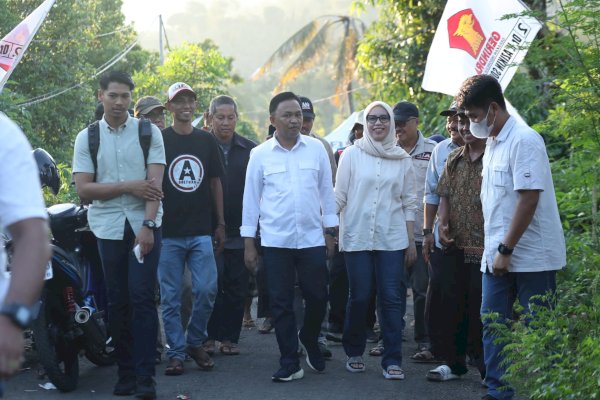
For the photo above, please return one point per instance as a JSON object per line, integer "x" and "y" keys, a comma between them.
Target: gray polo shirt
{"x": 120, "y": 159}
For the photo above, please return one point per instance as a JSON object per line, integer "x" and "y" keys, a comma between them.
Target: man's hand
{"x": 219, "y": 239}
{"x": 410, "y": 254}
{"x": 428, "y": 246}
{"x": 445, "y": 235}
{"x": 501, "y": 264}
{"x": 11, "y": 347}
{"x": 250, "y": 255}
{"x": 330, "y": 242}
{"x": 145, "y": 238}
{"x": 146, "y": 190}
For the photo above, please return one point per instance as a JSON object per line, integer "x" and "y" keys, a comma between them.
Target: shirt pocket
{"x": 274, "y": 175}
{"x": 309, "y": 172}
{"x": 500, "y": 176}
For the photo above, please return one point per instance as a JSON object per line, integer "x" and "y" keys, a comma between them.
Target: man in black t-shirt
{"x": 192, "y": 194}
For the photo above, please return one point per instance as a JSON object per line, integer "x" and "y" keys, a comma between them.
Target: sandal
{"x": 248, "y": 323}
{"x": 393, "y": 372}
{"x": 378, "y": 350}
{"x": 355, "y": 364}
{"x": 175, "y": 367}
{"x": 210, "y": 347}
{"x": 266, "y": 326}
{"x": 442, "y": 373}
{"x": 201, "y": 358}
{"x": 425, "y": 357}
{"x": 229, "y": 349}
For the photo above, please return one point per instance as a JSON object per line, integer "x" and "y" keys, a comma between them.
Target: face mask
{"x": 480, "y": 129}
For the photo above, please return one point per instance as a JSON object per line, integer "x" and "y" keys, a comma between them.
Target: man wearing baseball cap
{"x": 193, "y": 199}
{"x": 151, "y": 108}
{"x": 308, "y": 119}
{"x": 432, "y": 249}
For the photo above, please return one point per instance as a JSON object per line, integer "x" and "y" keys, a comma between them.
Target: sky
{"x": 247, "y": 30}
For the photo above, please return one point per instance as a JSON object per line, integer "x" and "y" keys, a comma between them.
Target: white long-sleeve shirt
{"x": 290, "y": 193}
{"x": 375, "y": 197}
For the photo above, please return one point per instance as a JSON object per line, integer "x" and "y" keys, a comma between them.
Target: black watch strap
{"x": 150, "y": 224}
{"x": 20, "y": 314}
{"x": 427, "y": 231}
{"x": 504, "y": 249}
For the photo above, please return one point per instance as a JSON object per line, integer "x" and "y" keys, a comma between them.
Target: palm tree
{"x": 312, "y": 44}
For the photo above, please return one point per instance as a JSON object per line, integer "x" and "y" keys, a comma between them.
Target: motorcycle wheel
{"x": 58, "y": 356}
{"x": 100, "y": 357}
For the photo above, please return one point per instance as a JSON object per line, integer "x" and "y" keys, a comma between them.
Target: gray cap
{"x": 145, "y": 105}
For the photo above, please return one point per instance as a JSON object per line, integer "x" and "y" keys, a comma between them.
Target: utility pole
{"x": 160, "y": 40}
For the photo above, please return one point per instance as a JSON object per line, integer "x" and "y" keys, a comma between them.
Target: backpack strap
{"x": 145, "y": 136}
{"x": 94, "y": 144}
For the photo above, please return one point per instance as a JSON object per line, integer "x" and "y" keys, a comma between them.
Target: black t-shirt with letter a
{"x": 192, "y": 160}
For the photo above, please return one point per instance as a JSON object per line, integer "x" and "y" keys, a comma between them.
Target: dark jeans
{"x": 384, "y": 270}
{"x": 463, "y": 299}
{"x": 263, "y": 310}
{"x": 418, "y": 276}
{"x": 498, "y": 296}
{"x": 226, "y": 320}
{"x": 282, "y": 266}
{"x": 440, "y": 298}
{"x": 133, "y": 321}
{"x": 338, "y": 293}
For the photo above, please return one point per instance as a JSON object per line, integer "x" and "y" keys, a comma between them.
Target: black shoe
{"x": 287, "y": 374}
{"x": 334, "y": 337}
{"x": 488, "y": 397}
{"x": 324, "y": 349}
{"x": 125, "y": 386}
{"x": 145, "y": 388}
{"x": 314, "y": 358}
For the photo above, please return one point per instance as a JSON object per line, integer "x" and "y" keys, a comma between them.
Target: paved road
{"x": 248, "y": 377}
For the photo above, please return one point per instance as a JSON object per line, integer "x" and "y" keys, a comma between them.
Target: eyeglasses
{"x": 384, "y": 118}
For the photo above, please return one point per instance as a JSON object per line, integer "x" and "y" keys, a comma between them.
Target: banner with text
{"x": 473, "y": 38}
{"x": 13, "y": 45}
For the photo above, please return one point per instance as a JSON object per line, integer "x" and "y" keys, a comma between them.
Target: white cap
{"x": 179, "y": 87}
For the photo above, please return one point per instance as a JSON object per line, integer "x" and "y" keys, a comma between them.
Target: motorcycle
{"x": 72, "y": 314}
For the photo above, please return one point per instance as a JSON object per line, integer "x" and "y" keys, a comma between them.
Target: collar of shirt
{"x": 236, "y": 141}
{"x": 418, "y": 144}
{"x": 301, "y": 140}
{"x": 505, "y": 131}
{"x": 464, "y": 153}
{"x": 105, "y": 125}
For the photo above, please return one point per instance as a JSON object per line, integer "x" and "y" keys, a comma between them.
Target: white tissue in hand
{"x": 138, "y": 253}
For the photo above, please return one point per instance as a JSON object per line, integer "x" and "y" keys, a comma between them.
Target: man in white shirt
{"x": 289, "y": 191}
{"x": 524, "y": 244}
{"x": 23, "y": 214}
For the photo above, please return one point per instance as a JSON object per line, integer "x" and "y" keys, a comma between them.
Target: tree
{"x": 200, "y": 65}
{"x": 74, "y": 43}
{"x": 328, "y": 40}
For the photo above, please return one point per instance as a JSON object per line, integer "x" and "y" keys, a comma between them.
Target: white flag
{"x": 13, "y": 45}
{"x": 473, "y": 39}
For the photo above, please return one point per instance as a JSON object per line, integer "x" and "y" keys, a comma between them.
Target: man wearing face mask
{"x": 524, "y": 244}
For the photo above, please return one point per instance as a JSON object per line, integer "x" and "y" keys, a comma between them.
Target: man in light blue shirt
{"x": 289, "y": 191}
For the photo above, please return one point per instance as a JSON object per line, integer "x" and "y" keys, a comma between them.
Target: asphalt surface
{"x": 248, "y": 377}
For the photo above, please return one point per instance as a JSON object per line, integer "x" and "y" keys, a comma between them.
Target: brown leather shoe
{"x": 201, "y": 357}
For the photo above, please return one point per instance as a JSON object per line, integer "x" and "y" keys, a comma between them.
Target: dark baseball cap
{"x": 450, "y": 111}
{"x": 307, "y": 107}
{"x": 404, "y": 110}
{"x": 146, "y": 104}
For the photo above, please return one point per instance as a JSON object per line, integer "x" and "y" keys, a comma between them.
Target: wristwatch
{"x": 504, "y": 250}
{"x": 330, "y": 231}
{"x": 427, "y": 231}
{"x": 150, "y": 224}
{"x": 20, "y": 314}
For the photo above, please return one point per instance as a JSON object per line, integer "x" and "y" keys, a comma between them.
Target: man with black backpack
{"x": 118, "y": 164}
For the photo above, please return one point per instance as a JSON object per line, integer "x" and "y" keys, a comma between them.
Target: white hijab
{"x": 387, "y": 148}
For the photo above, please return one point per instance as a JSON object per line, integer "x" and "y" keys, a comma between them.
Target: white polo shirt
{"x": 515, "y": 160}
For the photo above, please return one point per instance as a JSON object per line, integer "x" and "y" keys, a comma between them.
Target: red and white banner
{"x": 472, "y": 38}
{"x": 13, "y": 45}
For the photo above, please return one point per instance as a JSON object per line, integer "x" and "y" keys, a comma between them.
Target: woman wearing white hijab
{"x": 376, "y": 199}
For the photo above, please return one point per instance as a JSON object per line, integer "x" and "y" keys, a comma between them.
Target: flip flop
{"x": 425, "y": 357}
{"x": 393, "y": 372}
{"x": 442, "y": 373}
{"x": 175, "y": 367}
{"x": 229, "y": 349}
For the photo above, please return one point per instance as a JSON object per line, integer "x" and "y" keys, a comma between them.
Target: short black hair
{"x": 221, "y": 101}
{"x": 480, "y": 91}
{"x": 116, "y": 76}
{"x": 280, "y": 98}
